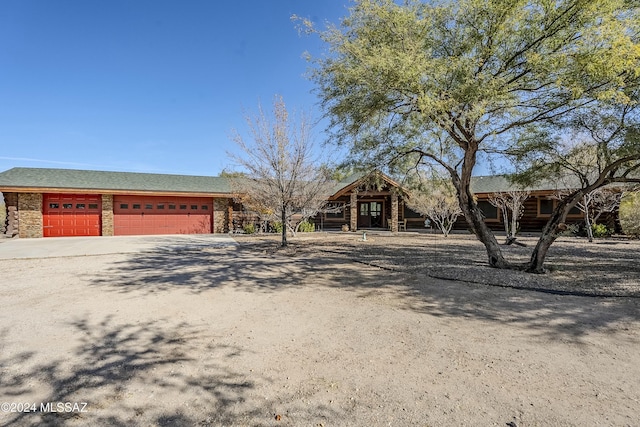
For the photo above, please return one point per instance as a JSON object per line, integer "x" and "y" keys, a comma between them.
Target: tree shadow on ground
{"x": 134, "y": 374}
{"x": 454, "y": 280}
{"x": 253, "y": 268}
{"x": 407, "y": 273}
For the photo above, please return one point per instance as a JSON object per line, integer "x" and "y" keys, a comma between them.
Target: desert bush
{"x": 249, "y": 228}
{"x": 306, "y": 227}
{"x": 600, "y": 230}
{"x": 276, "y": 227}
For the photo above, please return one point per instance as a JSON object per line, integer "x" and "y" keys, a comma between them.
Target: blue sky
{"x": 146, "y": 86}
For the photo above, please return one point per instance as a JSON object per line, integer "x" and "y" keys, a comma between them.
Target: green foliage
{"x": 600, "y": 230}
{"x": 306, "y": 227}
{"x": 249, "y": 228}
{"x": 277, "y": 227}
{"x": 630, "y": 213}
{"x": 469, "y": 67}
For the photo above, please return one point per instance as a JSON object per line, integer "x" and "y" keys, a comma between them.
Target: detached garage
{"x": 64, "y": 202}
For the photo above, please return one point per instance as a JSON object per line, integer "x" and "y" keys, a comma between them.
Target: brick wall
{"x": 221, "y": 215}
{"x": 30, "y": 214}
{"x": 107, "y": 215}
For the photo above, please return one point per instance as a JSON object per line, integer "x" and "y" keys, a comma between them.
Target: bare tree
{"x": 594, "y": 204}
{"x": 281, "y": 179}
{"x": 511, "y": 204}
{"x": 437, "y": 200}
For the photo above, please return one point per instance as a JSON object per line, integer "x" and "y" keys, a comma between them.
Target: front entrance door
{"x": 370, "y": 215}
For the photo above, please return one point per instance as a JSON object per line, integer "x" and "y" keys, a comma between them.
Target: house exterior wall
{"x": 11, "y": 221}
{"x": 30, "y": 214}
{"x": 221, "y": 215}
{"x": 107, "y": 214}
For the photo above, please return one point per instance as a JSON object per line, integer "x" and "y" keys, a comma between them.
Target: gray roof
{"x": 41, "y": 178}
{"x": 498, "y": 183}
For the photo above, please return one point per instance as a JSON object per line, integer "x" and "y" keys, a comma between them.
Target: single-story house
{"x": 62, "y": 202}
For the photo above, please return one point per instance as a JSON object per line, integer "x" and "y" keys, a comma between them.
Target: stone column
{"x": 107, "y": 215}
{"x": 30, "y": 215}
{"x": 394, "y": 212}
{"x": 354, "y": 211}
{"x": 11, "y": 222}
{"x": 220, "y": 215}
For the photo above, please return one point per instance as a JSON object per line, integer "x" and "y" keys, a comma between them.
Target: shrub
{"x": 600, "y": 230}
{"x": 249, "y": 228}
{"x": 306, "y": 227}
{"x": 276, "y": 227}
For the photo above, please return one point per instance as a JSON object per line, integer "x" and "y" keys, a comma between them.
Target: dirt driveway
{"x": 333, "y": 332}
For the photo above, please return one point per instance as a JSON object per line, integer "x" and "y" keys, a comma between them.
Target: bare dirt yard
{"x": 404, "y": 330}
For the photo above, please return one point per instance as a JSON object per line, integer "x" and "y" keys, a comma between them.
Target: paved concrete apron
{"x": 80, "y": 246}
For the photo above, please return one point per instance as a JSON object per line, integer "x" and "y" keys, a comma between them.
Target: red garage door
{"x": 135, "y": 215}
{"x": 71, "y": 215}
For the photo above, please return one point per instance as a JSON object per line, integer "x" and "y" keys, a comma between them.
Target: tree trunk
{"x": 505, "y": 219}
{"x": 587, "y": 222}
{"x": 550, "y": 233}
{"x": 284, "y": 225}
{"x": 472, "y": 213}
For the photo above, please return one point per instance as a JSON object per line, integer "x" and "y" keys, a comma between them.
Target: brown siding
{"x": 30, "y": 214}
{"x": 328, "y": 223}
{"x": 530, "y": 221}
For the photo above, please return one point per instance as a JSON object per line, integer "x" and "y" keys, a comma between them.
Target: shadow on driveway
{"x": 259, "y": 267}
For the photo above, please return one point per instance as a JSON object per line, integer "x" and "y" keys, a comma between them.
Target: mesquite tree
{"x": 603, "y": 150}
{"x": 479, "y": 72}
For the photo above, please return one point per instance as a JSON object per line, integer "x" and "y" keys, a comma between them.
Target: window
{"x": 547, "y": 206}
{"x": 93, "y": 206}
{"x": 364, "y": 209}
{"x": 53, "y": 206}
{"x": 194, "y": 207}
{"x": 148, "y": 206}
{"x": 183, "y": 207}
{"x": 124, "y": 206}
{"x": 574, "y": 211}
{"x": 67, "y": 206}
{"x": 160, "y": 206}
{"x": 172, "y": 207}
{"x": 137, "y": 206}
{"x": 204, "y": 207}
{"x": 80, "y": 205}
{"x": 489, "y": 211}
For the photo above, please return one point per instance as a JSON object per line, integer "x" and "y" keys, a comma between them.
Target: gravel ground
{"x": 606, "y": 267}
{"x": 404, "y": 330}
